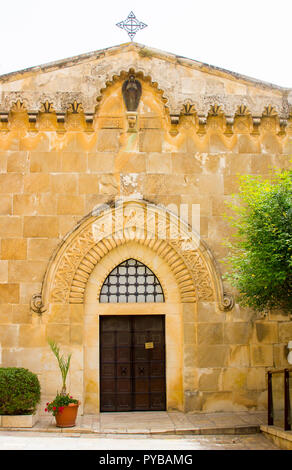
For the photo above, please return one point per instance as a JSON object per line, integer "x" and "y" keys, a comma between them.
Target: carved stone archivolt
{"x": 164, "y": 233}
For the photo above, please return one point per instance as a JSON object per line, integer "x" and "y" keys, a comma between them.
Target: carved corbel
{"x": 61, "y": 121}
{"x": 36, "y": 304}
{"x": 132, "y": 118}
{"x": 202, "y": 123}
{"x": 32, "y": 117}
{"x": 283, "y": 124}
{"x": 89, "y": 121}
{"x": 4, "y": 121}
{"x": 174, "y": 120}
{"x": 229, "y": 121}
{"x": 256, "y": 121}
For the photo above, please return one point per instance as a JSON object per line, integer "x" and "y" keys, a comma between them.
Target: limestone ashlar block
{"x": 11, "y": 183}
{"x": 190, "y": 333}
{"x": 17, "y": 162}
{"x": 150, "y": 140}
{"x": 185, "y": 163}
{"x": 64, "y": 183}
{"x": 9, "y": 293}
{"x": 217, "y": 401}
{"x": 280, "y": 355}
{"x": 271, "y": 144}
{"x": 41, "y": 248}
{"x": 262, "y": 355}
{"x": 285, "y": 332}
{"x": 13, "y": 248}
{"x": 210, "y": 333}
{"x": 210, "y": 184}
{"x": 3, "y": 271}
{"x": 76, "y": 334}
{"x": 256, "y": 379}
{"x": 213, "y": 355}
{"x": 261, "y": 164}
{"x": 5, "y": 313}
{"x": 34, "y": 204}
{"x": 5, "y": 204}
{"x": 231, "y": 184}
{"x": 88, "y": 184}
{"x": 59, "y": 332}
{"x": 8, "y": 336}
{"x": 237, "y": 333}
{"x": 266, "y": 332}
{"x": 67, "y": 223}
{"x": 26, "y": 271}
{"x": 21, "y": 314}
{"x": 209, "y": 379}
{"x": 108, "y": 140}
{"x": 3, "y": 162}
{"x": 59, "y": 313}
{"x": 128, "y": 162}
{"x": 234, "y": 379}
{"x": 97, "y": 163}
{"x": 76, "y": 313}
{"x": 209, "y": 312}
{"x": 73, "y": 205}
{"x": 10, "y": 226}
{"x": 40, "y": 226}
{"x": 45, "y": 162}
{"x": 74, "y": 162}
{"x": 239, "y": 356}
{"x": 21, "y": 421}
{"x": 159, "y": 163}
{"x": 37, "y": 183}
{"x": 247, "y": 144}
{"x": 32, "y": 336}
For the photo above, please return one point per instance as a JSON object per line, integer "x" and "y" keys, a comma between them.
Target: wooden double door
{"x": 132, "y": 363}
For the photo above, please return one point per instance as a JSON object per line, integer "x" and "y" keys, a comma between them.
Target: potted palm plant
{"x": 64, "y": 407}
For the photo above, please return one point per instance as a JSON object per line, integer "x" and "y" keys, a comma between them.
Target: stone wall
{"x": 61, "y": 158}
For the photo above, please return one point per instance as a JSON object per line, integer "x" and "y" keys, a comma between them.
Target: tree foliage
{"x": 261, "y": 247}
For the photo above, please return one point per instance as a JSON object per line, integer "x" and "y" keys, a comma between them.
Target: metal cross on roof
{"x": 131, "y": 25}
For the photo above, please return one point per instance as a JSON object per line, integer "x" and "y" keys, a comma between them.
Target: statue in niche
{"x": 132, "y": 90}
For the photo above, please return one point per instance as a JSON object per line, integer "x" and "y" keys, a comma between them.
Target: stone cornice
{"x": 143, "y": 51}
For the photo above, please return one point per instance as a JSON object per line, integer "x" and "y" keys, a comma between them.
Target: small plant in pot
{"x": 64, "y": 407}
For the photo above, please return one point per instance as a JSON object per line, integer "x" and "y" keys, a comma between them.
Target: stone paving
{"x": 145, "y": 431}
{"x": 57, "y": 441}
{"x": 159, "y": 423}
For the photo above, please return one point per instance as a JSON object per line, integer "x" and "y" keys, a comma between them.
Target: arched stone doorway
{"x": 162, "y": 242}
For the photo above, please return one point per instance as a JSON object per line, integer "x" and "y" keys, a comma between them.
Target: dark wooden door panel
{"x": 132, "y": 363}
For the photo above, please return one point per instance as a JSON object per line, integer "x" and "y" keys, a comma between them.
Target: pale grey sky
{"x": 250, "y": 37}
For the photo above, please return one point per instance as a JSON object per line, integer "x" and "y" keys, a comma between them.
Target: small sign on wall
{"x": 149, "y": 345}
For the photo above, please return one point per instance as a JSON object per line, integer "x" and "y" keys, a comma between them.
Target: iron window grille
{"x": 129, "y": 282}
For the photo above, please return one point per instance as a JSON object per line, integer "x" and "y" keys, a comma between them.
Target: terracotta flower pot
{"x": 67, "y": 417}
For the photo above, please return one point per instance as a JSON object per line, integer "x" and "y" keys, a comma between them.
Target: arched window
{"x": 131, "y": 281}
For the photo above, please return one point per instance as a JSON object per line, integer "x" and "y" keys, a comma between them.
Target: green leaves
{"x": 261, "y": 249}
{"x": 19, "y": 391}
{"x": 64, "y": 363}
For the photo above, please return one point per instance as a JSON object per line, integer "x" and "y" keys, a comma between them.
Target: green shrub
{"x": 19, "y": 391}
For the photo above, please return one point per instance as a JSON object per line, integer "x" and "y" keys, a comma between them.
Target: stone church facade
{"x": 115, "y": 167}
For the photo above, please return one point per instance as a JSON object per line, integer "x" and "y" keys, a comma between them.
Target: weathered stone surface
{"x": 20, "y": 421}
{"x": 196, "y": 129}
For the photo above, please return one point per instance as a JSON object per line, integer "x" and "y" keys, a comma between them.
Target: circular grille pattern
{"x": 131, "y": 281}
